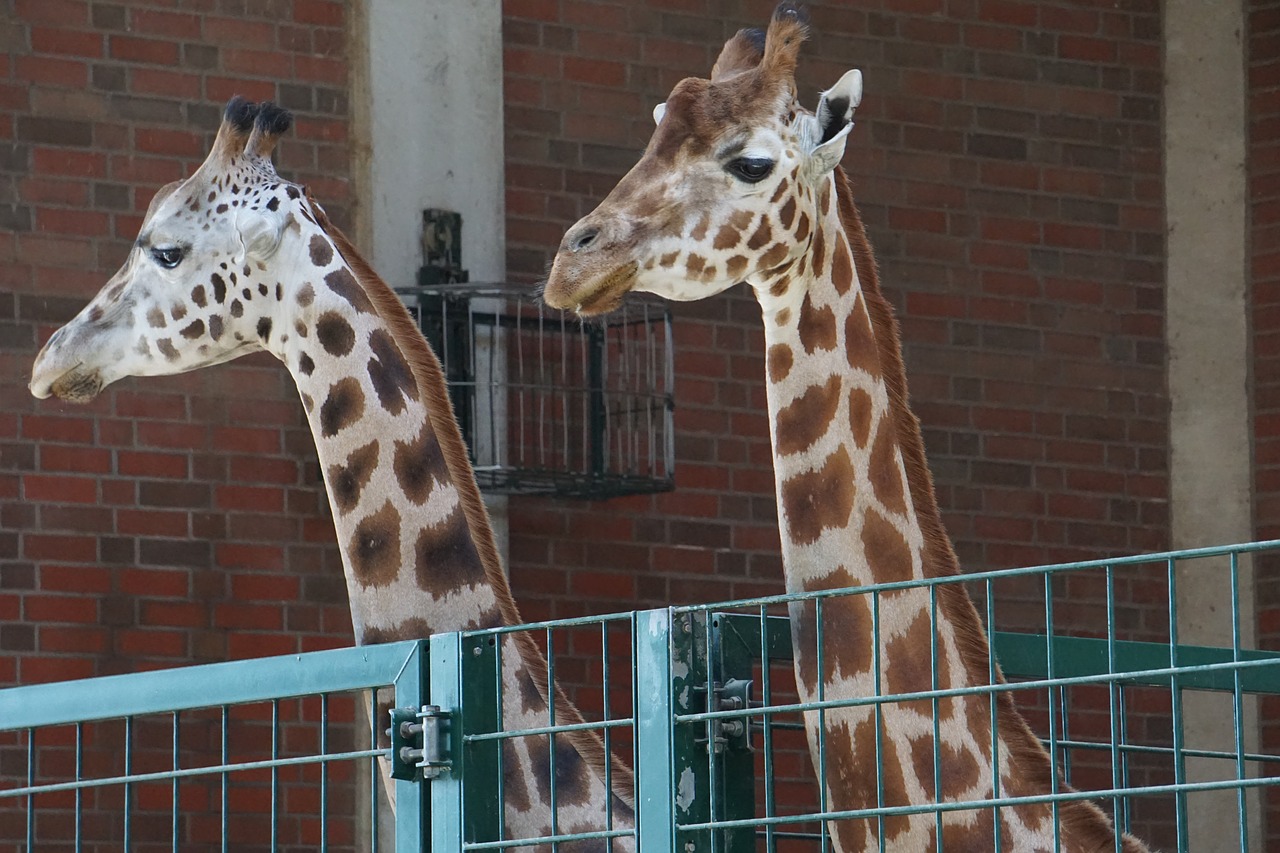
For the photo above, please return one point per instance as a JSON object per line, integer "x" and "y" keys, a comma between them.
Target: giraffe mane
{"x": 432, "y": 389}
{"x": 1079, "y": 817}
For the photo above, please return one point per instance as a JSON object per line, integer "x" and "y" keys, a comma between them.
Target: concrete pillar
{"x": 1209, "y": 367}
{"x": 426, "y": 104}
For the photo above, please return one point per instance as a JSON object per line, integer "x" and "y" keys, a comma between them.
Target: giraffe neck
{"x": 856, "y": 507}
{"x": 416, "y": 545}
{"x": 411, "y": 540}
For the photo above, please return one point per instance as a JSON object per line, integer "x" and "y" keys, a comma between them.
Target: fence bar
{"x": 655, "y": 733}
{"x": 445, "y": 792}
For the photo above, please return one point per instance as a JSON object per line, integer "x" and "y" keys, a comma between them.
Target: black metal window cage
{"x": 550, "y": 404}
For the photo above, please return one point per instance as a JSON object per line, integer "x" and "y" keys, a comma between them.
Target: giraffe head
{"x": 199, "y": 285}
{"x": 728, "y": 188}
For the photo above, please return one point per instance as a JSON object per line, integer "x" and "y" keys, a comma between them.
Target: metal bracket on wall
{"x": 441, "y": 248}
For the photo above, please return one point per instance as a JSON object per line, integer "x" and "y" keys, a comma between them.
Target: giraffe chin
{"x": 608, "y": 293}
{"x": 77, "y": 385}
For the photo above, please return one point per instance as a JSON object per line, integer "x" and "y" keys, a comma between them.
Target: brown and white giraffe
{"x": 738, "y": 183}
{"x": 234, "y": 260}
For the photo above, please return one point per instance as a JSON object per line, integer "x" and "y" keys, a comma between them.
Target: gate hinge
{"x": 730, "y": 733}
{"x": 418, "y": 749}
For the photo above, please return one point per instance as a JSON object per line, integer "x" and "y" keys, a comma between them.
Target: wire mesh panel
{"x": 548, "y": 403}
{"x": 1160, "y": 733}
{"x": 275, "y": 754}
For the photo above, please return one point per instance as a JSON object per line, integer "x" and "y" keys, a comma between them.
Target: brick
{"x": 153, "y": 51}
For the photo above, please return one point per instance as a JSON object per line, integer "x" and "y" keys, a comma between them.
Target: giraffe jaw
{"x": 600, "y": 297}
{"x": 77, "y": 385}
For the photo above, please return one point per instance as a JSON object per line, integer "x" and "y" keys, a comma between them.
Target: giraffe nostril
{"x": 584, "y": 239}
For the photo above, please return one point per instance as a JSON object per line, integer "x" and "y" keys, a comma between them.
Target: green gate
{"x": 699, "y": 700}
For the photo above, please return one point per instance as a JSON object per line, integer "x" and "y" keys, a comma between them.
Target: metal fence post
{"x": 411, "y": 814}
{"x": 655, "y": 733}
{"x": 445, "y": 796}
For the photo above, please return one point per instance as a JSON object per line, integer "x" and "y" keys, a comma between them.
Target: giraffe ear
{"x": 658, "y": 112}
{"x": 835, "y": 108}
{"x": 259, "y": 234}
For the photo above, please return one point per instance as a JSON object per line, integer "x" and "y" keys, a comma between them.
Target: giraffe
{"x": 233, "y": 260}
{"x": 739, "y": 183}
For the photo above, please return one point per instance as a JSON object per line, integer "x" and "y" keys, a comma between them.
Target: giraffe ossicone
{"x": 234, "y": 260}
{"x": 740, "y": 183}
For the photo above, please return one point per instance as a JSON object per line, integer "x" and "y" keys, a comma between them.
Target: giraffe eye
{"x": 753, "y": 170}
{"x": 167, "y": 256}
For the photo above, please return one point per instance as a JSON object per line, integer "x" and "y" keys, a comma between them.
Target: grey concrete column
{"x": 427, "y": 132}
{"x": 1211, "y": 482}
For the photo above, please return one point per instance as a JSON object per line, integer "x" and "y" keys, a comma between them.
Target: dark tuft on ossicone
{"x": 787, "y": 9}
{"x": 755, "y": 36}
{"x": 272, "y": 119}
{"x": 241, "y": 112}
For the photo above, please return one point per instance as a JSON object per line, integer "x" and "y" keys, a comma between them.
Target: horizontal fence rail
{"x": 700, "y": 701}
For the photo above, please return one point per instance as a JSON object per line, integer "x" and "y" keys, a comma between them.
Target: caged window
{"x": 550, "y": 404}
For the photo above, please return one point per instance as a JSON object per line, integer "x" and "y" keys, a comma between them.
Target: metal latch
{"x": 417, "y": 742}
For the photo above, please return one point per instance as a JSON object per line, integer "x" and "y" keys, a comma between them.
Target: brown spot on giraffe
{"x": 817, "y": 252}
{"x": 219, "y": 288}
{"x": 215, "y": 326}
{"x": 572, "y": 788}
{"x": 776, "y": 255}
{"x": 817, "y": 500}
{"x": 817, "y": 327}
{"x": 908, "y": 668}
{"x": 843, "y": 617}
{"x": 802, "y": 229}
{"x": 167, "y": 348}
{"x": 95, "y": 313}
{"x": 694, "y": 265}
{"x": 808, "y": 417}
{"x": 198, "y": 296}
{"x": 236, "y": 309}
{"x": 888, "y": 554}
{"x": 736, "y": 266}
{"x": 787, "y": 213}
{"x": 343, "y": 407}
{"x": 780, "y": 286}
{"x": 513, "y": 780}
{"x": 779, "y": 362}
{"x": 347, "y": 480}
{"x": 306, "y": 295}
{"x": 300, "y": 328}
{"x": 841, "y": 268}
{"x": 343, "y": 283}
{"x": 193, "y": 330}
{"x": 321, "y": 251}
{"x": 763, "y": 234}
{"x": 414, "y": 628}
{"x": 335, "y": 334}
{"x": 668, "y": 260}
{"x": 699, "y": 232}
{"x": 783, "y": 186}
{"x": 783, "y": 317}
{"x": 726, "y": 237}
{"x": 178, "y": 311}
{"x": 264, "y": 328}
{"x": 306, "y": 365}
{"x": 390, "y": 374}
{"x": 375, "y": 547}
{"x": 860, "y": 415}
{"x": 156, "y": 318}
{"x": 859, "y": 341}
{"x": 884, "y": 469}
{"x": 419, "y": 464}
{"x": 445, "y": 555}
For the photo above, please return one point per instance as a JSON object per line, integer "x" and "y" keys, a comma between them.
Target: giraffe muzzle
{"x": 77, "y": 385}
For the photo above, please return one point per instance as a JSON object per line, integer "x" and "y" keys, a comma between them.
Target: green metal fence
{"x": 699, "y": 700}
